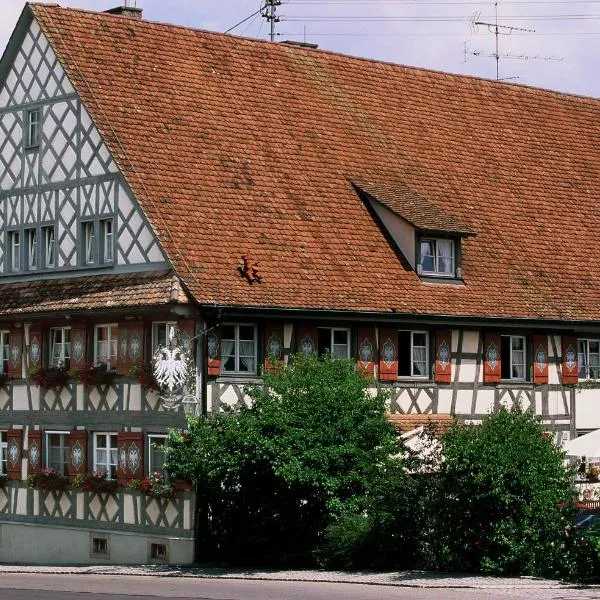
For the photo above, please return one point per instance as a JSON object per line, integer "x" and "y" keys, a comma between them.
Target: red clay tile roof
{"x": 235, "y": 145}
{"x": 94, "y": 292}
{"x": 407, "y": 422}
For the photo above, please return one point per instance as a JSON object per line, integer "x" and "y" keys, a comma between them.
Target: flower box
{"x": 96, "y": 375}
{"x": 154, "y": 486}
{"x": 48, "y": 480}
{"x": 51, "y": 378}
{"x": 144, "y": 374}
{"x": 96, "y": 482}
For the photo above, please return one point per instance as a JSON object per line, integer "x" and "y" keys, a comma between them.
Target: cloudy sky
{"x": 426, "y": 33}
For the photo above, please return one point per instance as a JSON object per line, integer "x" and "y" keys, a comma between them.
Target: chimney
{"x": 126, "y": 11}
{"x": 300, "y": 44}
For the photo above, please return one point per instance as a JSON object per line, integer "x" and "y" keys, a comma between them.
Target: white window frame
{"x": 4, "y": 351}
{"x": 65, "y": 353}
{"x": 32, "y": 249}
{"x": 436, "y": 257}
{"x": 236, "y": 350}
{"x": 155, "y": 329}
{"x": 34, "y": 127}
{"x": 47, "y": 464}
{"x": 512, "y": 363}
{"x": 49, "y": 238}
{"x": 586, "y": 354}
{"x": 331, "y": 338}
{"x": 412, "y": 354}
{"x": 89, "y": 242}
{"x": 106, "y": 230}
{"x": 3, "y": 452}
{"x": 15, "y": 250}
{"x": 110, "y": 467}
{"x": 151, "y": 438}
{"x": 112, "y": 344}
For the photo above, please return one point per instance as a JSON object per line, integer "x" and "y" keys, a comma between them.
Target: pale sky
{"x": 423, "y": 33}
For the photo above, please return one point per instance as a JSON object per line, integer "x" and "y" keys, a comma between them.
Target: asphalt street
{"x": 32, "y": 586}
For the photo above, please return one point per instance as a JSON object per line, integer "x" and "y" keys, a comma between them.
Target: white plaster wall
{"x": 402, "y": 232}
{"x": 587, "y": 408}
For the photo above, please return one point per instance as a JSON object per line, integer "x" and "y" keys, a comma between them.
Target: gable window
{"x": 513, "y": 356}
{"x": 57, "y": 451}
{"x": 156, "y": 456}
{"x": 437, "y": 257}
{"x": 106, "y": 231}
{"x": 34, "y": 128}
{"x": 89, "y": 243}
{"x": 4, "y": 351}
{"x": 49, "y": 246}
{"x": 589, "y": 359}
{"x": 60, "y": 347}
{"x": 161, "y": 333}
{"x": 413, "y": 354}
{"x": 3, "y": 452}
{"x": 105, "y": 344}
{"x": 238, "y": 349}
{"x": 335, "y": 341}
{"x": 32, "y": 249}
{"x": 105, "y": 454}
{"x": 14, "y": 239}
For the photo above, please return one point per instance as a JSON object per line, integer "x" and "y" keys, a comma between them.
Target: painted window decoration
{"x": 437, "y": 257}
{"x": 513, "y": 357}
{"x": 89, "y": 243}
{"x": 334, "y": 341}
{"x": 60, "y": 347}
{"x": 48, "y": 237}
{"x": 413, "y": 354}
{"x": 541, "y": 360}
{"x": 34, "y": 128}
{"x": 32, "y": 249}
{"x": 443, "y": 354}
{"x": 306, "y": 346}
{"x": 106, "y": 231}
{"x": 57, "y": 451}
{"x": 77, "y": 455}
{"x": 238, "y": 349}
{"x": 589, "y": 358}
{"x": 14, "y": 453}
{"x": 105, "y": 344}
{"x": 275, "y": 347}
{"x": 106, "y": 454}
{"x": 4, "y": 351}
{"x": 156, "y": 455}
{"x": 35, "y": 350}
{"x": 366, "y": 352}
{"x": 34, "y": 454}
{"x": 14, "y": 239}
{"x": 3, "y": 452}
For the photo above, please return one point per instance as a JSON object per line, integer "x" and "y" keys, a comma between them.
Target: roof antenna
{"x": 499, "y": 30}
{"x": 269, "y": 11}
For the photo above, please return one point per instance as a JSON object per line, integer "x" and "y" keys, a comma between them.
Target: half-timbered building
{"x": 261, "y": 200}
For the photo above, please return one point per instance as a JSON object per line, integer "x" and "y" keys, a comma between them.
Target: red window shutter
{"x": 130, "y": 345}
{"x": 15, "y": 354}
{"x": 443, "y": 356}
{"x": 131, "y": 456}
{"x": 366, "y": 350}
{"x": 34, "y": 457}
{"x": 213, "y": 345}
{"x": 78, "y": 452}
{"x": 273, "y": 346}
{"x": 78, "y": 346}
{"x": 492, "y": 352}
{"x": 187, "y": 330}
{"x": 14, "y": 453}
{"x": 34, "y": 352}
{"x": 540, "y": 359}
{"x": 388, "y": 354}
{"x": 570, "y": 363}
{"x": 306, "y": 340}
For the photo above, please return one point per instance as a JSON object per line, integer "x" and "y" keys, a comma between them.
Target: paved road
{"x": 103, "y": 587}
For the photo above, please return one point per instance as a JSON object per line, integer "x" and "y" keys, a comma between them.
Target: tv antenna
{"x": 269, "y": 12}
{"x": 499, "y": 30}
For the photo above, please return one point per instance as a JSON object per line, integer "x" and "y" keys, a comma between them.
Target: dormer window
{"x": 438, "y": 257}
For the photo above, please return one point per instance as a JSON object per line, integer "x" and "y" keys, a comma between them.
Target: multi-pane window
{"x": 57, "y": 451}
{"x": 49, "y": 246}
{"x": 513, "y": 355}
{"x": 105, "y": 344}
{"x": 3, "y": 452}
{"x": 589, "y": 359}
{"x": 413, "y": 354}
{"x": 106, "y": 231}
{"x": 89, "y": 243}
{"x": 156, "y": 456}
{"x": 60, "y": 347}
{"x": 14, "y": 239}
{"x": 32, "y": 248}
{"x": 4, "y": 351}
{"x": 161, "y": 333}
{"x": 34, "y": 127}
{"x": 106, "y": 454}
{"x": 437, "y": 257}
{"x": 334, "y": 341}
{"x": 238, "y": 349}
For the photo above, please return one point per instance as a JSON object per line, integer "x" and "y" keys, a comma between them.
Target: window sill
{"x": 418, "y": 381}
{"x": 441, "y": 279}
{"x": 508, "y": 383}
{"x": 32, "y": 147}
{"x": 238, "y": 378}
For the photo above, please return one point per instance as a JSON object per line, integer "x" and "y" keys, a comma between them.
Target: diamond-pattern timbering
{"x": 31, "y": 167}
{"x": 95, "y": 157}
{"x": 36, "y": 73}
{"x": 102, "y": 507}
{"x": 67, "y": 228}
{"x": 57, "y": 504}
{"x": 11, "y": 134}
{"x": 5, "y": 403}
{"x": 59, "y": 399}
{"x": 4, "y": 501}
{"x": 59, "y": 142}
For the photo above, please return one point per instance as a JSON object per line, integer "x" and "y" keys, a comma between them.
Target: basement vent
{"x": 158, "y": 551}
{"x": 100, "y": 546}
